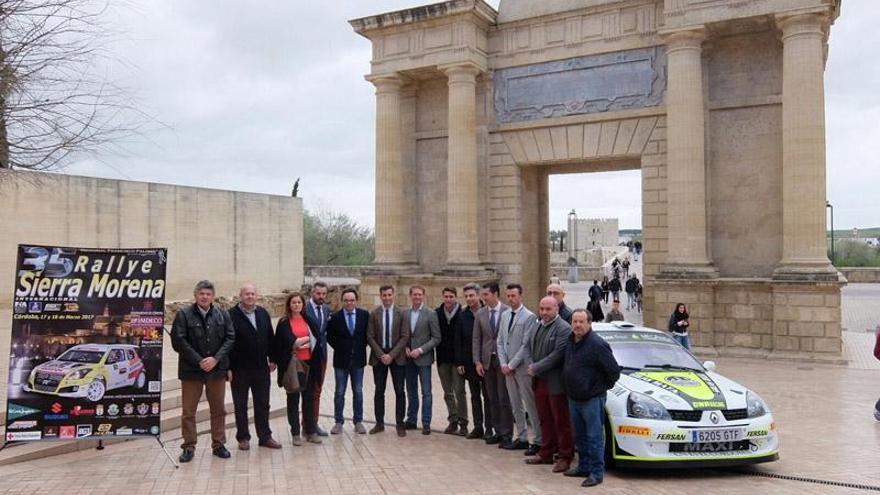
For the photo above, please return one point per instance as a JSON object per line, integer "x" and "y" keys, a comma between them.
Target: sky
{"x": 251, "y": 98}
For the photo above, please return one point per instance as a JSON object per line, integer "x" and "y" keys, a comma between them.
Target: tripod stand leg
{"x": 161, "y": 444}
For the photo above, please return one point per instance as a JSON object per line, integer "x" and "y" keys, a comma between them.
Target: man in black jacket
{"x": 250, "y": 366}
{"x": 203, "y": 336}
{"x": 450, "y": 380}
{"x": 347, "y": 335}
{"x": 464, "y": 359}
{"x": 588, "y": 371}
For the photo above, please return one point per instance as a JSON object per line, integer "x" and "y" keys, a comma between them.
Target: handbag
{"x": 295, "y": 376}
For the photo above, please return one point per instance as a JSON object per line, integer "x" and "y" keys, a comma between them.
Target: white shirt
{"x": 414, "y": 318}
{"x": 390, "y": 311}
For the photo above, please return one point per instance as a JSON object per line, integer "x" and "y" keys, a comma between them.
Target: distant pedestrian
{"x": 679, "y": 323}
{"x": 555, "y": 279}
{"x": 639, "y": 290}
{"x": 632, "y": 283}
{"x": 614, "y": 287}
{"x": 588, "y": 371}
{"x": 595, "y": 310}
{"x": 625, "y": 266}
{"x": 595, "y": 291}
{"x": 615, "y": 314}
{"x": 605, "y": 290}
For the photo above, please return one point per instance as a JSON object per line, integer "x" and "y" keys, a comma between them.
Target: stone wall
{"x": 226, "y": 236}
{"x": 861, "y": 275}
{"x": 334, "y": 271}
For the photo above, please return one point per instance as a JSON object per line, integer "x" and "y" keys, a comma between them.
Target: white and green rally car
{"x": 669, "y": 410}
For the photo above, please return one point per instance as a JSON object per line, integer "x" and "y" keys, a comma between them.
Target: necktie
{"x": 320, "y": 316}
{"x": 351, "y": 323}
{"x": 512, "y": 317}
{"x": 492, "y": 323}
{"x": 387, "y": 342}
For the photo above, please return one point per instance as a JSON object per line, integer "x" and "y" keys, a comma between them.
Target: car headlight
{"x": 78, "y": 374}
{"x": 639, "y": 405}
{"x": 755, "y": 405}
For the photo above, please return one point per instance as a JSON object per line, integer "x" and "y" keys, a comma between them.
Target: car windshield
{"x": 639, "y": 350}
{"x": 79, "y": 356}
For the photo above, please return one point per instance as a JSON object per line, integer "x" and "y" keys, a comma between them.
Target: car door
{"x": 118, "y": 367}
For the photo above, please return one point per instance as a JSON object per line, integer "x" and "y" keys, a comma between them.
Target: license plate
{"x": 724, "y": 435}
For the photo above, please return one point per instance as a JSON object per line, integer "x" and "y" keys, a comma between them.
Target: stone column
{"x": 391, "y": 224}
{"x": 804, "y": 254}
{"x": 686, "y": 158}
{"x": 462, "y": 192}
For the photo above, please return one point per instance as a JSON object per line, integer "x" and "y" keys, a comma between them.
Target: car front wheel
{"x": 141, "y": 380}
{"x": 95, "y": 390}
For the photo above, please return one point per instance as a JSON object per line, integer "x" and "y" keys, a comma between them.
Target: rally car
{"x": 669, "y": 410}
{"x": 89, "y": 371}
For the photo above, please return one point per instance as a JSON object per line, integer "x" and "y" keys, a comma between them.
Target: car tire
{"x": 141, "y": 380}
{"x": 95, "y": 390}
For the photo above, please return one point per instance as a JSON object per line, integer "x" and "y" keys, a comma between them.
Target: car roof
{"x": 102, "y": 347}
{"x": 624, "y": 326}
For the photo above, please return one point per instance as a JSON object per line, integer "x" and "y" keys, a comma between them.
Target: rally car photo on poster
{"x": 89, "y": 371}
{"x": 669, "y": 410}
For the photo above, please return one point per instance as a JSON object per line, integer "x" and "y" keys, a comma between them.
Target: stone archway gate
{"x": 719, "y": 103}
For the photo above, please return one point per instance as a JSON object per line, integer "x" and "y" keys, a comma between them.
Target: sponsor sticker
{"x": 71, "y": 308}
{"x": 56, "y": 417}
{"x": 124, "y": 431}
{"x": 104, "y": 429}
{"x": 154, "y": 408}
{"x": 54, "y": 307}
{"x": 154, "y": 430}
{"x": 99, "y": 410}
{"x": 634, "y": 430}
{"x": 672, "y": 437}
{"x": 15, "y": 411}
{"x": 113, "y": 410}
{"x": 81, "y": 411}
{"x": 67, "y": 432}
{"x": 143, "y": 408}
{"x": 23, "y": 436}
{"x": 83, "y": 431}
{"x": 21, "y": 425}
{"x": 35, "y": 307}
{"x": 757, "y": 433}
{"x": 128, "y": 409}
{"x": 20, "y": 307}
{"x": 56, "y": 408}
{"x": 50, "y": 432}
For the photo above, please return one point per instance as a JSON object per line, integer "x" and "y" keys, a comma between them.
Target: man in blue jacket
{"x": 588, "y": 371}
{"x": 347, "y": 335}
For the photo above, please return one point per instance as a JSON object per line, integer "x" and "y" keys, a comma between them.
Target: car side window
{"x": 129, "y": 354}
{"x": 115, "y": 356}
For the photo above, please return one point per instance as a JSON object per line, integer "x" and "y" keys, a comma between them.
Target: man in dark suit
{"x": 499, "y": 416}
{"x": 424, "y": 337}
{"x": 320, "y": 312}
{"x": 464, "y": 358}
{"x": 347, "y": 335}
{"x": 388, "y": 338}
{"x": 250, "y": 366}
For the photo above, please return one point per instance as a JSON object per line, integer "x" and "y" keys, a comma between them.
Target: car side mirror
{"x": 709, "y": 365}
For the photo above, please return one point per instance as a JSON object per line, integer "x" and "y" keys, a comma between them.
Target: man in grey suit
{"x": 424, "y": 337}
{"x": 513, "y": 355}
{"x": 547, "y": 346}
{"x": 499, "y": 418}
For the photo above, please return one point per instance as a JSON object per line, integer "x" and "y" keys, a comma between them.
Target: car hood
{"x": 60, "y": 367}
{"x": 686, "y": 390}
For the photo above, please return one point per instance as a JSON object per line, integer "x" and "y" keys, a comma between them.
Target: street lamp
{"x": 829, "y": 205}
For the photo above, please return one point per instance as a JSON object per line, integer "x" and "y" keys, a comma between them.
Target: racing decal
{"x": 696, "y": 388}
{"x": 634, "y": 430}
{"x": 675, "y": 436}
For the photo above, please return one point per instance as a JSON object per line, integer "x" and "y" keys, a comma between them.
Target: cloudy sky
{"x": 253, "y": 95}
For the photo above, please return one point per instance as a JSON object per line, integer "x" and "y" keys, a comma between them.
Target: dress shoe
{"x": 221, "y": 452}
{"x": 244, "y": 445}
{"x": 591, "y": 481}
{"x": 360, "y": 429}
{"x": 379, "y": 428}
{"x": 462, "y": 430}
{"x": 337, "y": 429}
{"x": 476, "y": 433}
{"x": 411, "y": 426}
{"x": 186, "y": 455}
{"x": 401, "y": 430}
{"x": 489, "y": 434}
{"x": 575, "y": 472}
{"x": 451, "y": 429}
{"x": 314, "y": 439}
{"x": 272, "y": 444}
{"x": 532, "y": 450}
{"x": 505, "y": 443}
{"x": 426, "y": 430}
{"x": 517, "y": 445}
{"x": 539, "y": 460}
{"x": 321, "y": 432}
{"x": 493, "y": 440}
{"x": 561, "y": 466}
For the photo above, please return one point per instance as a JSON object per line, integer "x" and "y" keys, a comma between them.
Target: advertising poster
{"x": 86, "y": 353}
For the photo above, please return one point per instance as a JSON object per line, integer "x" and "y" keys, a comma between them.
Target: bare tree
{"x": 53, "y": 101}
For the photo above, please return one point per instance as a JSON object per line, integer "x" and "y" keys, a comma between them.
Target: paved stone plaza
{"x": 823, "y": 412}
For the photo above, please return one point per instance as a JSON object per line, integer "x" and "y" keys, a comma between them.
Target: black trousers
{"x": 307, "y": 397}
{"x": 475, "y": 384}
{"x": 380, "y": 379}
{"x": 499, "y": 412}
{"x": 257, "y": 382}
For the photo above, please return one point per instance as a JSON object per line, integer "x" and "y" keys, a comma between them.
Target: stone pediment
{"x": 516, "y": 10}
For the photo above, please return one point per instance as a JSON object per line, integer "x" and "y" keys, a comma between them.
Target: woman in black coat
{"x": 679, "y": 323}
{"x": 287, "y": 341}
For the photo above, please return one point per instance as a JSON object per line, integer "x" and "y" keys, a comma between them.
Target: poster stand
{"x": 100, "y": 446}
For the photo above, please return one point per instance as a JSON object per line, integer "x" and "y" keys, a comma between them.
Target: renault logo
{"x": 713, "y": 417}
